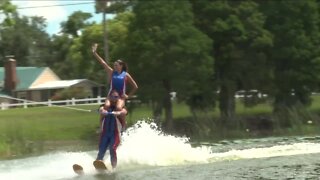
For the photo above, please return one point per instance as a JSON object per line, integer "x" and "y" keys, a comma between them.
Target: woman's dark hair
{"x": 123, "y": 64}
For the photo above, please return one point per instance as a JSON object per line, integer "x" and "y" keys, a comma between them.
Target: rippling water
{"x": 146, "y": 153}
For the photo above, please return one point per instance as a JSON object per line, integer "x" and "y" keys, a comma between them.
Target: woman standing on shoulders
{"x": 119, "y": 77}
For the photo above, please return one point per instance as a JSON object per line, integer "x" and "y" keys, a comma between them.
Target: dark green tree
{"x": 112, "y": 6}
{"x": 27, "y": 40}
{"x": 109, "y": 7}
{"x": 7, "y": 10}
{"x": 295, "y": 54}
{"x": 167, "y": 53}
{"x": 240, "y": 43}
{"x": 60, "y": 48}
{"x": 64, "y": 64}
{"x": 75, "y": 23}
{"x": 80, "y": 57}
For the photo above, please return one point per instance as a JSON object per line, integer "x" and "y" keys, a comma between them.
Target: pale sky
{"x": 56, "y": 13}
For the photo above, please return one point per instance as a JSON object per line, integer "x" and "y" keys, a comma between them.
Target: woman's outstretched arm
{"x": 100, "y": 60}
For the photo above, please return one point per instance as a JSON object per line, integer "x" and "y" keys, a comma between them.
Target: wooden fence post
{"x": 98, "y": 100}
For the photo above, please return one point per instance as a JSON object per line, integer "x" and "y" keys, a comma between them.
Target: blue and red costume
{"x": 109, "y": 137}
{"x": 118, "y": 82}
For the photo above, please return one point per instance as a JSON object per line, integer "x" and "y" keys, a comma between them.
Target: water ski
{"x": 99, "y": 165}
{"x": 78, "y": 169}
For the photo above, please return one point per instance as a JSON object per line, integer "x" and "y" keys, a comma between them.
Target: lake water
{"x": 146, "y": 153}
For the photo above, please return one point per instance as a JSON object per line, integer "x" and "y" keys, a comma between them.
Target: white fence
{"x": 69, "y": 102}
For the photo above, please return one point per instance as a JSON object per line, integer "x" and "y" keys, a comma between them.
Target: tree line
{"x": 205, "y": 50}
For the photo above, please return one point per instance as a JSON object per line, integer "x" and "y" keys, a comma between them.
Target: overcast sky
{"x": 57, "y": 10}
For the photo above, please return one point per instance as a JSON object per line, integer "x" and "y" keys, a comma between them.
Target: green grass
{"x": 315, "y": 106}
{"x": 19, "y": 126}
{"x": 43, "y": 123}
{"x": 139, "y": 113}
{"x": 181, "y": 110}
{"x": 263, "y": 108}
{"x": 24, "y": 131}
{"x": 55, "y": 123}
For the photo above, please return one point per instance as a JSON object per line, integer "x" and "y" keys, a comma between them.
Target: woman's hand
{"x": 94, "y": 47}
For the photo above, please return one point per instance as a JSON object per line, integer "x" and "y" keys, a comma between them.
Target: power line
{"x": 58, "y": 5}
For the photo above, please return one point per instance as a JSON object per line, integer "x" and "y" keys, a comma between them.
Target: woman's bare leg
{"x": 122, "y": 118}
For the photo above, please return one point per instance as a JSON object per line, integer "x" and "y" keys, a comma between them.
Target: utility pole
{"x": 105, "y": 33}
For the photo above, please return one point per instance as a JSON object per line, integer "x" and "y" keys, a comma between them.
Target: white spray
{"x": 142, "y": 145}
